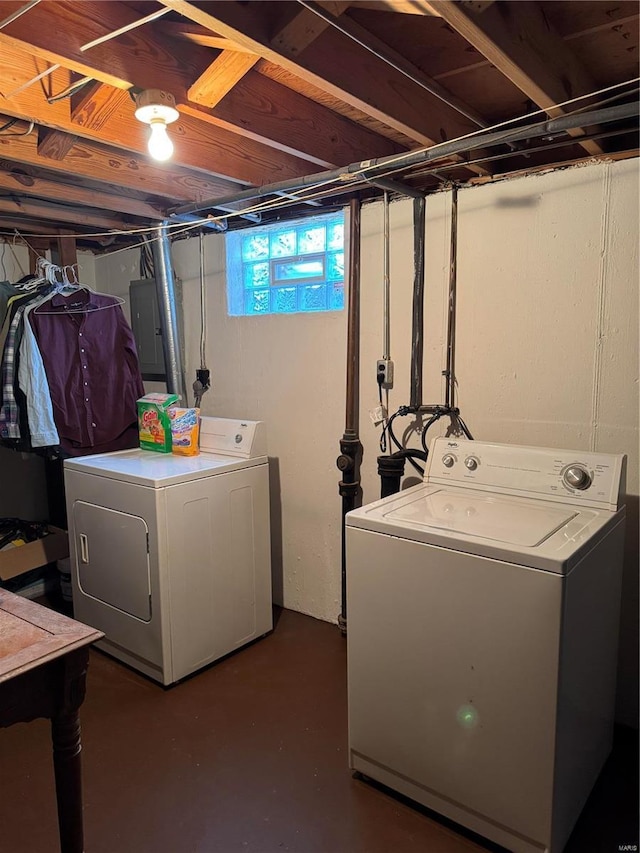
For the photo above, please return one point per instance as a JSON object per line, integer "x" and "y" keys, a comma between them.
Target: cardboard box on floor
{"x": 16, "y": 561}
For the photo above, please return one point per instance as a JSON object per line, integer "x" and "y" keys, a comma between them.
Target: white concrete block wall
{"x": 288, "y": 371}
{"x": 547, "y": 354}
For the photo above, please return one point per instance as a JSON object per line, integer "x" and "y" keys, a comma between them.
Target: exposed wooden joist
{"x": 211, "y": 149}
{"x": 194, "y": 33}
{"x": 258, "y": 125}
{"x": 118, "y": 169}
{"x": 220, "y": 77}
{"x": 56, "y": 32}
{"x": 268, "y": 110}
{"x": 25, "y": 225}
{"x": 518, "y": 40}
{"x": 10, "y": 224}
{"x": 303, "y": 28}
{"x": 53, "y": 144}
{"x": 58, "y": 213}
{"x": 362, "y": 36}
{"x": 16, "y": 180}
{"x": 93, "y": 105}
{"x": 333, "y": 63}
{"x": 404, "y": 7}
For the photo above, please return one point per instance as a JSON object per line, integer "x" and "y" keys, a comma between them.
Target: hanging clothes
{"x": 69, "y": 377}
{"x": 12, "y": 331}
{"x": 32, "y": 381}
{"x": 91, "y": 364}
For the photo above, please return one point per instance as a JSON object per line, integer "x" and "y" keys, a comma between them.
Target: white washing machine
{"x": 171, "y": 555}
{"x": 482, "y": 634}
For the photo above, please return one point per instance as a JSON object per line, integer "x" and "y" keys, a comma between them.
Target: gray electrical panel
{"x": 147, "y": 329}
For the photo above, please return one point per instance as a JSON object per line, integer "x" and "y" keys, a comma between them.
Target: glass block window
{"x": 287, "y": 268}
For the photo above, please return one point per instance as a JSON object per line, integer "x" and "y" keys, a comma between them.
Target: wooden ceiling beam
{"x": 276, "y": 115}
{"x": 336, "y": 65}
{"x": 118, "y": 169}
{"x": 58, "y": 213}
{"x": 9, "y": 225}
{"x": 94, "y": 104}
{"x": 144, "y": 59}
{"x": 375, "y": 44}
{"x": 403, "y": 7}
{"x": 240, "y": 155}
{"x": 194, "y": 33}
{"x": 220, "y": 77}
{"x": 304, "y": 28}
{"x": 53, "y": 144}
{"x": 16, "y": 180}
{"x": 198, "y": 145}
{"x": 519, "y": 41}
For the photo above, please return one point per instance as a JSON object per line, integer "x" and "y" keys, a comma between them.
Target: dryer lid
{"x": 486, "y": 516}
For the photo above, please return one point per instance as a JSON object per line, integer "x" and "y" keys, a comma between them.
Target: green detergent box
{"x": 154, "y": 421}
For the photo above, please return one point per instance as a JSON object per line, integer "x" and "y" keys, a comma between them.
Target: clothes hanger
{"x": 64, "y": 286}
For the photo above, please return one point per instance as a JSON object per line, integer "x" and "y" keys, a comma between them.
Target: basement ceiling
{"x": 272, "y": 92}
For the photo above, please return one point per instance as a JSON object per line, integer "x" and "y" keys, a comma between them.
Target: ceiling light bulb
{"x": 160, "y": 145}
{"x": 157, "y": 109}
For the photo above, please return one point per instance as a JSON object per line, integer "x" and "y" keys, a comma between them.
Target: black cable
{"x": 465, "y": 429}
{"x": 383, "y": 435}
{"x": 9, "y": 124}
{"x": 402, "y": 411}
{"x": 429, "y": 423}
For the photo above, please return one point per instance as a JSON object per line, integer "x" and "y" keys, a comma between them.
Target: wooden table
{"x": 43, "y": 666}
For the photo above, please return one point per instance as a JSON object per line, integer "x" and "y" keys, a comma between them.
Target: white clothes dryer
{"x": 170, "y": 555}
{"x": 482, "y": 610}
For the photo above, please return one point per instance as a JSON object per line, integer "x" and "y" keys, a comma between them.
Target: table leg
{"x": 65, "y": 734}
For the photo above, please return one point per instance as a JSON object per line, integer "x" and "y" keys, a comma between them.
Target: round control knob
{"x": 577, "y": 478}
{"x": 471, "y": 462}
{"x": 448, "y": 460}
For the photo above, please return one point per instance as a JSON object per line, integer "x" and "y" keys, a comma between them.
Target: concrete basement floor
{"x": 249, "y": 755}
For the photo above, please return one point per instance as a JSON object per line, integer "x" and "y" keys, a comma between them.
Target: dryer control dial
{"x": 448, "y": 460}
{"x": 471, "y": 462}
{"x": 576, "y": 477}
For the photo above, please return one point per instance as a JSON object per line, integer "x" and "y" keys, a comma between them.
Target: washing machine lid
{"x": 534, "y": 533}
{"x": 492, "y": 517}
{"x": 157, "y": 470}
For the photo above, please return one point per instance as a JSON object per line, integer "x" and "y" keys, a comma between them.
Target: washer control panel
{"x": 570, "y": 476}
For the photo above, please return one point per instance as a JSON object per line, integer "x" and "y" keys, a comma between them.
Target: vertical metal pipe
{"x": 350, "y": 447}
{"x": 353, "y": 321}
{"x": 165, "y": 288}
{"x": 450, "y": 372}
{"x": 386, "y": 339}
{"x": 417, "y": 333}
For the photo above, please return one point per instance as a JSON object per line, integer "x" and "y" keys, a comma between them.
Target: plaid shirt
{"x": 9, "y": 426}
{"x": 9, "y": 413}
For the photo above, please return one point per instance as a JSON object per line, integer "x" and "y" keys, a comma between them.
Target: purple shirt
{"x": 92, "y": 369}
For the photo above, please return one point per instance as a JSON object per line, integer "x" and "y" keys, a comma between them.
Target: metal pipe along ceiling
{"x": 370, "y": 170}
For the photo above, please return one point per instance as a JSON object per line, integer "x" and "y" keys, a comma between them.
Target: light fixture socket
{"x": 155, "y": 105}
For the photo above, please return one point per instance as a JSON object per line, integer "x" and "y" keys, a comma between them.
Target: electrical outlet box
{"x": 384, "y": 372}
